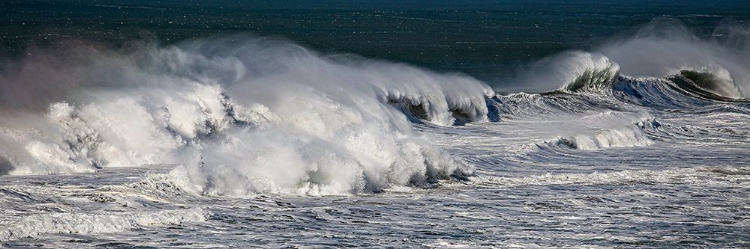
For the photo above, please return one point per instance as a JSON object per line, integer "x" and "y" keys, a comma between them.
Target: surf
{"x": 239, "y": 115}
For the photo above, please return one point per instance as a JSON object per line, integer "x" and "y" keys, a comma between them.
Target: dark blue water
{"x": 491, "y": 40}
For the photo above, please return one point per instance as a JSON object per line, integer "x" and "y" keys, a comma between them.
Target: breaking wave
{"x": 665, "y": 48}
{"x": 571, "y": 71}
{"x": 239, "y": 115}
{"x": 242, "y": 115}
{"x": 662, "y": 66}
{"x": 613, "y": 138}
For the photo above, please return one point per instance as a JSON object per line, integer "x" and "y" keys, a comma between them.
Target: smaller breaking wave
{"x": 594, "y": 80}
{"x": 706, "y": 85}
{"x": 598, "y": 131}
{"x": 662, "y": 66}
{"x": 666, "y": 48}
{"x": 614, "y": 138}
{"x": 571, "y": 71}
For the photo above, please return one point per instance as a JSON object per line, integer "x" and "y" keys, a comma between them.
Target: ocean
{"x": 446, "y": 123}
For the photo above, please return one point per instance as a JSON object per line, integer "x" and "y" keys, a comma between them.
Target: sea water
{"x": 374, "y": 124}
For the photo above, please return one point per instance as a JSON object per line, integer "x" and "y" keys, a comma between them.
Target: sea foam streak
{"x": 240, "y": 115}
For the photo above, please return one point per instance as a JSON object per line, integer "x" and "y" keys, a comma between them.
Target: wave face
{"x": 661, "y": 53}
{"x": 239, "y": 115}
{"x": 665, "y": 48}
{"x": 571, "y": 70}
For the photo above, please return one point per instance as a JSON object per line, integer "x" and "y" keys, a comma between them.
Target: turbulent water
{"x": 244, "y": 140}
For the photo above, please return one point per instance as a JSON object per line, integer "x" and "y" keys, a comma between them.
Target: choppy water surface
{"x": 682, "y": 183}
{"x": 252, "y": 141}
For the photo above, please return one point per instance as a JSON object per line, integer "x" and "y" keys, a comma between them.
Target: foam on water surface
{"x": 244, "y": 141}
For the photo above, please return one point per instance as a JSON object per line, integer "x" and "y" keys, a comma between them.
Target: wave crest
{"x": 707, "y": 84}
{"x": 594, "y": 80}
{"x": 570, "y": 71}
{"x": 242, "y": 116}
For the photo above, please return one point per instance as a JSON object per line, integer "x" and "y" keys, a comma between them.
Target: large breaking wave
{"x": 242, "y": 115}
{"x": 239, "y": 115}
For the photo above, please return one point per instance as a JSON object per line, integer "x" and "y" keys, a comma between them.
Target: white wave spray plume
{"x": 567, "y": 68}
{"x": 659, "y": 49}
{"x": 239, "y": 115}
{"x": 665, "y": 47}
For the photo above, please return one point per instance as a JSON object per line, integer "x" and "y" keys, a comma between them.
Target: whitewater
{"x": 241, "y": 140}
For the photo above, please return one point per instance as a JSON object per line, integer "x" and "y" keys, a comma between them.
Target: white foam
{"x": 81, "y": 223}
{"x": 678, "y": 175}
{"x": 247, "y": 117}
{"x": 625, "y": 137}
